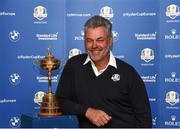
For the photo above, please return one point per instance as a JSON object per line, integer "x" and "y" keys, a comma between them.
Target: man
{"x": 101, "y": 90}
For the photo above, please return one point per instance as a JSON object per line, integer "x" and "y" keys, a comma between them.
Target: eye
{"x": 100, "y": 40}
{"x": 89, "y": 41}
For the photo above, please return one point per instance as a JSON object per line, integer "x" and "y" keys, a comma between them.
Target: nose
{"x": 94, "y": 45}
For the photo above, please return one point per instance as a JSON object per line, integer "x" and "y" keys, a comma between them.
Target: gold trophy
{"x": 49, "y": 105}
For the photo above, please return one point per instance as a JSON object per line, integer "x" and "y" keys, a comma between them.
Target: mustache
{"x": 94, "y": 49}
{"x": 91, "y": 51}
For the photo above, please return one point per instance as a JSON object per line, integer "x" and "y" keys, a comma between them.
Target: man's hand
{"x": 97, "y": 117}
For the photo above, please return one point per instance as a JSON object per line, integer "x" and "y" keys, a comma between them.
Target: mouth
{"x": 95, "y": 52}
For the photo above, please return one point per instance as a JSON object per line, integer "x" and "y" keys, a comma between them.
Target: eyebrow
{"x": 95, "y": 39}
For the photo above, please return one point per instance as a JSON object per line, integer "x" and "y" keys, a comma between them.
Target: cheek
{"x": 87, "y": 46}
{"x": 105, "y": 46}
{"x": 108, "y": 45}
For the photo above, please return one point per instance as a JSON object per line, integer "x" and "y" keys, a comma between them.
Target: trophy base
{"x": 49, "y": 106}
{"x": 49, "y": 114}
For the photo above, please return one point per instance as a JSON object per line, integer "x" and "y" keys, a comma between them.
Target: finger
{"x": 97, "y": 124}
{"x": 105, "y": 121}
{"x": 101, "y": 122}
{"x": 109, "y": 117}
{"x": 106, "y": 116}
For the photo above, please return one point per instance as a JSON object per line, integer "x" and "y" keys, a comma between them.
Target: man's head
{"x": 98, "y": 38}
{"x": 97, "y": 21}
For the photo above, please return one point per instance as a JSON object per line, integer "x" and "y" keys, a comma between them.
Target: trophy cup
{"x": 49, "y": 105}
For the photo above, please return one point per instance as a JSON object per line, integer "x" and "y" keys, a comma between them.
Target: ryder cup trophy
{"x": 49, "y": 105}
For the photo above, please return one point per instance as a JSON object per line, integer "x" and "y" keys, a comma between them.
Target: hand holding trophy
{"x": 49, "y": 105}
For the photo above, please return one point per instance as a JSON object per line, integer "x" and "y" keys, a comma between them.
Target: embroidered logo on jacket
{"x": 115, "y": 77}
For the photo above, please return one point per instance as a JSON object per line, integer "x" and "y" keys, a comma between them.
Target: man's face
{"x": 97, "y": 43}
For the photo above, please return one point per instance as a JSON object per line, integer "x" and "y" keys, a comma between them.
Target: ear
{"x": 110, "y": 41}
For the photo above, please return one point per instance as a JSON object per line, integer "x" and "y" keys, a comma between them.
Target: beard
{"x": 97, "y": 55}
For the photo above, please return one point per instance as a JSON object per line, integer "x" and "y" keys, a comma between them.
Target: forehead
{"x": 96, "y": 32}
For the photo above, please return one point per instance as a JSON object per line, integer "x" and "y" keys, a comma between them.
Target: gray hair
{"x": 98, "y": 21}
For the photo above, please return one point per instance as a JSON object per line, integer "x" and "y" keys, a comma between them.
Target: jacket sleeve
{"x": 140, "y": 101}
{"x": 65, "y": 93}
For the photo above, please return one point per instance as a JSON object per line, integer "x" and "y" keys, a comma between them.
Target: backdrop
{"x": 146, "y": 35}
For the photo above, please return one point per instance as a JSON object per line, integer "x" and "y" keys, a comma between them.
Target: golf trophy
{"x": 49, "y": 105}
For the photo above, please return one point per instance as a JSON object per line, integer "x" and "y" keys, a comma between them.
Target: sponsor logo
{"x": 14, "y": 36}
{"x": 172, "y": 56}
{"x": 47, "y": 36}
{"x": 120, "y": 56}
{"x": 7, "y": 101}
{"x": 139, "y": 14}
{"x": 154, "y": 120}
{"x": 173, "y": 122}
{"x": 78, "y": 14}
{"x": 106, "y": 12}
{"x": 172, "y": 79}
{"x": 25, "y": 57}
{"x": 152, "y": 99}
{"x": 7, "y": 13}
{"x": 115, "y": 36}
{"x": 42, "y": 79}
{"x": 172, "y": 36}
{"x": 14, "y": 79}
{"x": 14, "y": 122}
{"x": 40, "y": 13}
{"x": 80, "y": 37}
{"x": 172, "y": 98}
{"x": 74, "y": 52}
{"x": 115, "y": 77}
{"x": 148, "y": 36}
{"x": 149, "y": 78}
{"x": 38, "y": 97}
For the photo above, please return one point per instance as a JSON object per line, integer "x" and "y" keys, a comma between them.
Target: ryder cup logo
{"x": 14, "y": 36}
{"x": 115, "y": 77}
{"x": 147, "y": 55}
{"x": 40, "y": 12}
{"x": 172, "y": 11}
{"x": 14, "y": 122}
{"x": 172, "y": 98}
{"x": 14, "y": 79}
{"x": 106, "y": 12}
{"x": 38, "y": 97}
{"x": 74, "y": 52}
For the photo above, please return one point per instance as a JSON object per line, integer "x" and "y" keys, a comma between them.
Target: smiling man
{"x": 103, "y": 91}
